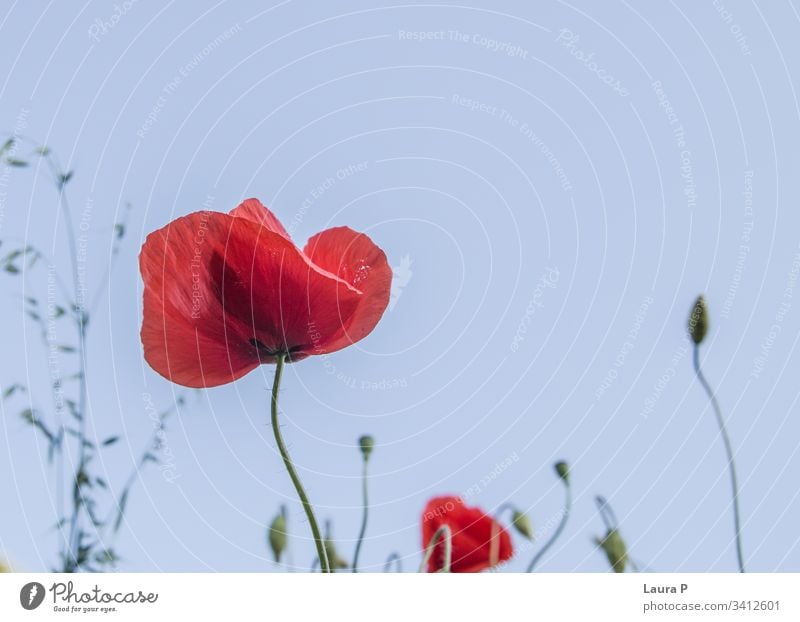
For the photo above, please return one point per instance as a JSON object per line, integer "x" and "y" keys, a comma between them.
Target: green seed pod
{"x": 562, "y": 469}
{"x": 336, "y": 562}
{"x": 276, "y": 535}
{"x": 698, "y": 321}
{"x": 367, "y": 443}
{"x": 522, "y": 524}
{"x": 615, "y": 549}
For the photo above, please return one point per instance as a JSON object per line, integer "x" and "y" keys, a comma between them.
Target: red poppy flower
{"x": 224, "y": 293}
{"x": 479, "y": 542}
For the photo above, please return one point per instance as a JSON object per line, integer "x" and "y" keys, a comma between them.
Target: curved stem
{"x": 728, "y": 450}
{"x": 504, "y": 507}
{"x": 364, "y": 516}
{"x": 394, "y": 558}
{"x": 606, "y": 513}
{"x": 287, "y": 462}
{"x": 443, "y": 533}
{"x": 562, "y": 523}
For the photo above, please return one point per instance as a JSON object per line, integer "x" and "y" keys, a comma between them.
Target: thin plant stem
{"x": 287, "y": 462}
{"x": 444, "y": 534}
{"x": 729, "y": 452}
{"x": 606, "y": 513}
{"x": 561, "y": 525}
{"x": 502, "y": 509}
{"x": 365, "y": 514}
{"x": 394, "y": 558}
{"x": 80, "y": 321}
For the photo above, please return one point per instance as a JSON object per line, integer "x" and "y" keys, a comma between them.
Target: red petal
{"x": 288, "y": 303}
{"x": 186, "y": 336}
{"x": 478, "y": 541}
{"x": 224, "y": 293}
{"x": 354, "y": 258}
{"x": 253, "y": 209}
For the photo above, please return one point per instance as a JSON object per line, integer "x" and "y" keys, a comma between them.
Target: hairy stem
{"x": 729, "y": 452}
{"x": 561, "y": 525}
{"x": 287, "y": 462}
{"x": 394, "y": 558}
{"x": 444, "y": 534}
{"x": 364, "y": 517}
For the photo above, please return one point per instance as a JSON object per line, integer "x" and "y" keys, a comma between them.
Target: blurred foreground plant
{"x": 90, "y": 519}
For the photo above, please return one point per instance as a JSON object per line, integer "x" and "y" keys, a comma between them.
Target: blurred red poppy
{"x": 225, "y": 293}
{"x": 479, "y": 542}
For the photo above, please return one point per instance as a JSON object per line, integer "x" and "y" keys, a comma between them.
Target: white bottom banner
{"x": 242, "y": 597}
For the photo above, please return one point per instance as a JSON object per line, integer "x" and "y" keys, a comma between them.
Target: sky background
{"x": 559, "y": 182}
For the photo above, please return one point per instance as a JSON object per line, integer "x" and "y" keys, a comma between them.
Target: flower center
{"x": 263, "y": 350}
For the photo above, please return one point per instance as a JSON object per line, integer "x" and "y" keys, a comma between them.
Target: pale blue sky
{"x": 564, "y": 179}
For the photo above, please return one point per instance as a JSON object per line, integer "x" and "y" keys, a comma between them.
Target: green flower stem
{"x": 728, "y": 450}
{"x": 504, "y": 507}
{"x": 561, "y": 525}
{"x": 287, "y": 462}
{"x": 443, "y": 533}
{"x": 606, "y": 513}
{"x": 364, "y": 516}
{"x": 394, "y": 558}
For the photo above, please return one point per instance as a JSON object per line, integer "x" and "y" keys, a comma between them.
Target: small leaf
{"x": 16, "y": 253}
{"x": 123, "y": 501}
{"x": 106, "y": 556}
{"x": 29, "y": 416}
{"x": 119, "y": 229}
{"x": 110, "y": 441}
{"x": 73, "y": 410}
{"x": 43, "y": 150}
{"x": 81, "y": 479}
{"x": 7, "y": 145}
{"x": 11, "y": 268}
{"x": 66, "y": 348}
{"x": 13, "y": 389}
{"x": 16, "y": 162}
{"x": 64, "y": 178}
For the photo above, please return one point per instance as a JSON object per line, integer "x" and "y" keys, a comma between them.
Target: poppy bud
{"x": 334, "y": 560}
{"x": 277, "y": 534}
{"x": 562, "y": 469}
{"x": 366, "y": 443}
{"x": 615, "y": 549}
{"x": 698, "y": 321}
{"x": 522, "y": 524}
